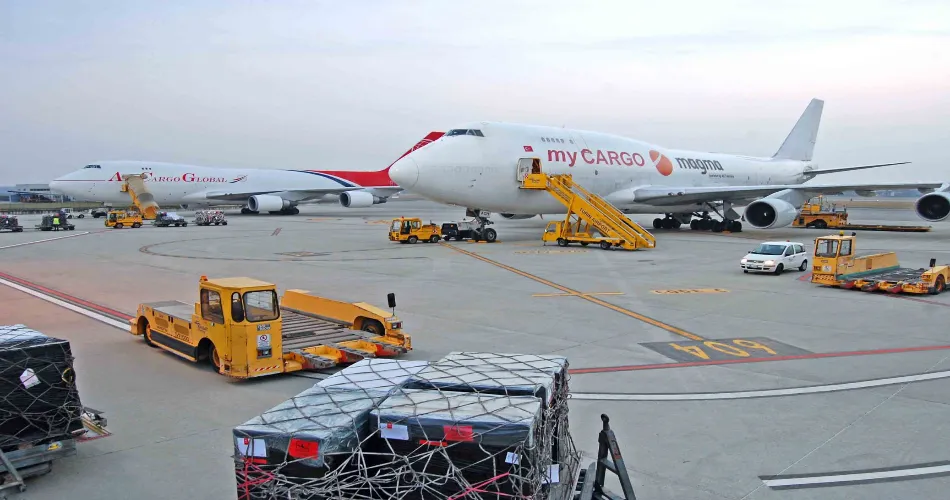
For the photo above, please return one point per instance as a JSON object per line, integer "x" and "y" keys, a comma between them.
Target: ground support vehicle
{"x": 579, "y": 232}
{"x": 475, "y": 230}
{"x": 142, "y": 200}
{"x": 412, "y": 230}
{"x": 117, "y": 219}
{"x": 821, "y": 215}
{"x": 10, "y": 223}
{"x": 586, "y": 212}
{"x": 54, "y": 222}
{"x": 836, "y": 265}
{"x": 166, "y": 219}
{"x": 241, "y": 329}
{"x": 36, "y": 459}
{"x": 99, "y": 212}
{"x": 209, "y": 217}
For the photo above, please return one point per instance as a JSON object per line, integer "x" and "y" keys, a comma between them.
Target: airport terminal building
{"x": 27, "y": 193}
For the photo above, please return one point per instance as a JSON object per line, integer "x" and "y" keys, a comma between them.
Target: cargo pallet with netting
{"x": 10, "y": 223}
{"x": 469, "y": 426}
{"x": 42, "y": 418}
{"x": 210, "y": 217}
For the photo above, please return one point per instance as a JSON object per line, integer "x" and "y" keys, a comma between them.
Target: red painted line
{"x": 805, "y": 277}
{"x": 660, "y": 366}
{"x": 925, "y": 301}
{"x": 276, "y": 232}
{"x": 64, "y": 296}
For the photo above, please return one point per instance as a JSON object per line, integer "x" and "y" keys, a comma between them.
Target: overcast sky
{"x": 352, "y": 84}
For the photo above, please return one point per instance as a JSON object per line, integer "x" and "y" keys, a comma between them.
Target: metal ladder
{"x": 591, "y": 481}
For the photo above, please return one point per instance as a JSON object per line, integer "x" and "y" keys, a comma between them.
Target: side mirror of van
{"x": 391, "y": 299}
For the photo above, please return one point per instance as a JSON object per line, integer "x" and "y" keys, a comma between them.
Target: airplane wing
{"x": 288, "y": 194}
{"x": 671, "y": 195}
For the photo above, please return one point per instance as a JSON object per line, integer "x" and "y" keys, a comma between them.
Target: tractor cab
{"x": 412, "y": 230}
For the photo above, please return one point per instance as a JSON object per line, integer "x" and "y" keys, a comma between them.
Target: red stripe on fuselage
{"x": 378, "y": 178}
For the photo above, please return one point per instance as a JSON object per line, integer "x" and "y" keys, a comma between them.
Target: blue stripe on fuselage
{"x": 326, "y": 176}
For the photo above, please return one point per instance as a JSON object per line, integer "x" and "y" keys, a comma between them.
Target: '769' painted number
{"x": 724, "y": 349}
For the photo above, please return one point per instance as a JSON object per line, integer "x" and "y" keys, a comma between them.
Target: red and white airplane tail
{"x": 379, "y": 178}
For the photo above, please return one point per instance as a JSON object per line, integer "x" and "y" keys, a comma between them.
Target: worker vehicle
{"x": 818, "y": 214}
{"x": 10, "y": 223}
{"x": 469, "y": 230}
{"x": 99, "y": 212}
{"x": 775, "y": 257}
{"x": 54, "y": 222}
{"x": 239, "y": 326}
{"x": 117, "y": 219}
{"x": 209, "y": 217}
{"x": 837, "y": 265}
{"x": 412, "y": 230}
{"x": 68, "y": 213}
{"x": 565, "y": 234}
{"x": 166, "y": 219}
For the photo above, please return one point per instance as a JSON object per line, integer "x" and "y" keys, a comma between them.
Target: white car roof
{"x": 782, "y": 243}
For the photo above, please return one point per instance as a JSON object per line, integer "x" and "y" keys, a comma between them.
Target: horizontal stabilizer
{"x": 812, "y": 173}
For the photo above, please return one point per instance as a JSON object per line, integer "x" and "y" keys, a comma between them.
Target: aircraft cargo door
{"x": 527, "y": 166}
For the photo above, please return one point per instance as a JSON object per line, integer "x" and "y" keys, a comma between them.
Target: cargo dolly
{"x": 241, "y": 328}
{"x": 821, "y": 215}
{"x": 836, "y": 265}
{"x": 36, "y": 459}
{"x": 10, "y": 223}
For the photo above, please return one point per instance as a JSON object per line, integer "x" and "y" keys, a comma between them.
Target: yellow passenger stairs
{"x": 142, "y": 199}
{"x": 586, "y": 209}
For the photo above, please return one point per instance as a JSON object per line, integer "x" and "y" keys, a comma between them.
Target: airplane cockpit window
{"x": 92, "y": 166}
{"x": 464, "y": 131}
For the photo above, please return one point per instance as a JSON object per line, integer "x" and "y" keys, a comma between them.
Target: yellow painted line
{"x": 685, "y": 291}
{"x": 470, "y": 241}
{"x": 376, "y": 221}
{"x": 575, "y": 294}
{"x": 595, "y": 300}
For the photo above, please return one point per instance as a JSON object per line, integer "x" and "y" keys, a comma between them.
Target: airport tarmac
{"x": 718, "y": 384}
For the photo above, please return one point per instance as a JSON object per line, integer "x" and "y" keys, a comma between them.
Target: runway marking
{"x": 863, "y": 476}
{"x": 595, "y": 300}
{"x": 72, "y": 307}
{"x": 276, "y": 232}
{"x": 720, "y": 349}
{"x": 574, "y": 294}
{"x": 805, "y": 277}
{"x": 690, "y": 364}
{"x": 43, "y": 241}
{"x": 685, "y": 291}
{"x": 766, "y": 393}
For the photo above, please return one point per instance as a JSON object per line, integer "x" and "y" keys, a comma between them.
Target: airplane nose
{"x": 56, "y": 186}
{"x": 405, "y": 173}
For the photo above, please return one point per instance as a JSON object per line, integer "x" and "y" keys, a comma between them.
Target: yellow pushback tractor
{"x": 835, "y": 264}
{"x": 241, "y": 329}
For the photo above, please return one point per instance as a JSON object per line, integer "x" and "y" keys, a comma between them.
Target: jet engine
{"x": 267, "y": 203}
{"x": 518, "y": 216}
{"x": 359, "y": 199}
{"x": 933, "y": 207}
{"x": 768, "y": 213}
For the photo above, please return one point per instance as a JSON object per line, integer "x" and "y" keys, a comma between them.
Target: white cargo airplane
{"x": 262, "y": 190}
{"x": 479, "y": 165}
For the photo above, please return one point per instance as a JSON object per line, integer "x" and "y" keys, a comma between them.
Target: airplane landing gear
{"x": 667, "y": 222}
{"x": 706, "y": 223}
{"x": 247, "y": 211}
{"x": 286, "y": 211}
{"x": 479, "y": 226}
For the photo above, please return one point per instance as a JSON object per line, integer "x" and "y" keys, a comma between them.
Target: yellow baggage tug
{"x": 836, "y": 265}
{"x": 241, "y": 329}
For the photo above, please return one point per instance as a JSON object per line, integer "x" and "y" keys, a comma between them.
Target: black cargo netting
{"x": 470, "y": 426}
{"x": 9, "y": 222}
{"x": 39, "y": 401}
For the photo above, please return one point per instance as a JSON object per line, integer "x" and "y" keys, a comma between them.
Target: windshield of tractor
{"x": 769, "y": 249}
{"x": 826, "y": 248}
{"x": 261, "y": 305}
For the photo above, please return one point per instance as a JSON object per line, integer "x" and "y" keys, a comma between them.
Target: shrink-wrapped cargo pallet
{"x": 39, "y": 400}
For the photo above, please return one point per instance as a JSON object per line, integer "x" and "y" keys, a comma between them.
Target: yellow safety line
{"x": 574, "y": 294}
{"x": 595, "y": 300}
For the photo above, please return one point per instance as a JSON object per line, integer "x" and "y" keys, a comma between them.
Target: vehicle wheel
{"x": 490, "y": 235}
{"x": 374, "y": 327}
{"x": 804, "y": 265}
{"x": 413, "y": 239}
{"x": 434, "y": 239}
{"x": 736, "y": 226}
{"x": 820, "y": 224}
{"x": 225, "y": 223}
{"x": 694, "y": 225}
{"x": 118, "y": 225}
{"x": 939, "y": 286}
{"x": 779, "y": 269}
{"x": 561, "y": 242}
{"x": 81, "y": 216}
{"x": 184, "y": 224}
{"x": 585, "y": 243}
{"x": 717, "y": 226}
{"x": 745, "y": 271}
{"x": 605, "y": 245}
{"x": 657, "y": 223}
{"x": 446, "y": 237}
{"x": 676, "y": 223}
{"x": 147, "y": 335}
{"x": 213, "y": 358}
{"x": 136, "y": 225}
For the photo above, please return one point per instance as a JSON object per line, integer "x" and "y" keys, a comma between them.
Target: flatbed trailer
{"x": 883, "y": 227}
{"x": 836, "y": 265}
{"x": 243, "y": 331}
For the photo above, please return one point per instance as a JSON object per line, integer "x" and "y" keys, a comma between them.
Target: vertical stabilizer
{"x": 800, "y": 142}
